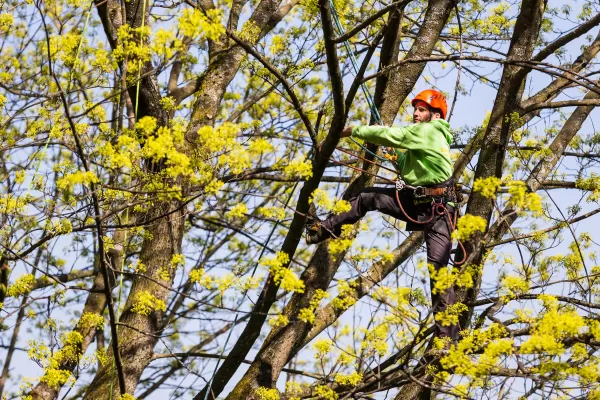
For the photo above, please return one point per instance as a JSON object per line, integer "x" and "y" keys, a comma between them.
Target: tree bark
{"x": 139, "y": 333}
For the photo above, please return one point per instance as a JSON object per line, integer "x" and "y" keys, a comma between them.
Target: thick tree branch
{"x": 333, "y": 65}
{"x": 565, "y": 39}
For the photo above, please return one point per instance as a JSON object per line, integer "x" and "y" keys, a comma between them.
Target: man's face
{"x": 421, "y": 112}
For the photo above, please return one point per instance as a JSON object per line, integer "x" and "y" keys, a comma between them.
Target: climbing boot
{"x": 315, "y": 232}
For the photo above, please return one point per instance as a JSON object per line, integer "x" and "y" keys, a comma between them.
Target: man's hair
{"x": 436, "y": 110}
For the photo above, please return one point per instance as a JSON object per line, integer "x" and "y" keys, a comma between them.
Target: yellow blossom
{"x": 264, "y": 393}
{"x": 467, "y": 225}
{"x": 145, "y": 303}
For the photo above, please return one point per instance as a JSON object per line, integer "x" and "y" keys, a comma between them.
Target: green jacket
{"x": 426, "y": 156}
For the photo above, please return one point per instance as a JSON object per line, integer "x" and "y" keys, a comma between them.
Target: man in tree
{"x": 423, "y": 157}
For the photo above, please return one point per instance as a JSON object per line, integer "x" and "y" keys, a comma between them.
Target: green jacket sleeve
{"x": 404, "y": 137}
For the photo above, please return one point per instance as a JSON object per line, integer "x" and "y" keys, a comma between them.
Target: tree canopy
{"x": 159, "y": 160}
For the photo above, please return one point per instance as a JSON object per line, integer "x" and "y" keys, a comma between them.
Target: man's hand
{"x": 347, "y": 132}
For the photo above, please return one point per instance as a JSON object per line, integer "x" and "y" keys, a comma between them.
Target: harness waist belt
{"x": 436, "y": 192}
{"x": 449, "y": 190}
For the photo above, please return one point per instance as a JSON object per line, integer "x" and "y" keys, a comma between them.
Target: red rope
{"x": 439, "y": 209}
{"x": 435, "y": 209}
{"x": 408, "y": 217}
{"x": 364, "y": 159}
{"x": 362, "y": 170}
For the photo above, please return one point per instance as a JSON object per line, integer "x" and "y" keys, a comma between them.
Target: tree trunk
{"x": 138, "y": 334}
{"x": 491, "y": 157}
{"x": 493, "y": 151}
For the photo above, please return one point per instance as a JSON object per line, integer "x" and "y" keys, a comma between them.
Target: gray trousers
{"x": 437, "y": 234}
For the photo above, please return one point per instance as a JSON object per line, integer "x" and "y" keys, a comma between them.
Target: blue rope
{"x": 370, "y": 101}
{"x": 340, "y": 31}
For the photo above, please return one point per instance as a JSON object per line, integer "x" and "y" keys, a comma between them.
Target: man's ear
{"x": 436, "y": 115}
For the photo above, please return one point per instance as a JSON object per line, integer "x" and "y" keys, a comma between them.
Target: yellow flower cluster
{"x": 64, "y": 47}
{"x": 177, "y": 260}
{"x": 467, "y": 225}
{"x": 145, "y": 303}
{"x": 322, "y": 199}
{"x": 194, "y": 23}
{"x": 308, "y": 314}
{"x": 325, "y": 393}
{"x": 56, "y": 378}
{"x": 239, "y": 211}
{"x": 346, "y": 297}
{"x": 398, "y": 298}
{"x": 450, "y": 315}
{"x": 277, "y": 213}
{"x": 58, "y": 227}
{"x": 461, "y": 356}
{"x": 322, "y": 347}
{"x": 6, "y": 20}
{"x": 298, "y": 168}
{"x": 165, "y": 43}
{"x": 376, "y": 339}
{"x": 264, "y": 393}
{"x": 343, "y": 243}
{"x": 282, "y": 275}
{"x": 250, "y": 31}
{"x": 372, "y": 254}
{"x": 78, "y": 178}
{"x": 221, "y": 141}
{"x": 260, "y": 146}
{"x": 443, "y": 278}
{"x": 515, "y": 285}
{"x": 591, "y": 184}
{"x": 9, "y": 204}
{"x": 213, "y": 187}
{"x": 91, "y": 320}
{"x": 488, "y": 187}
{"x": 131, "y": 46}
{"x": 224, "y": 282}
{"x": 522, "y": 200}
{"x": 122, "y": 154}
{"x": 22, "y": 285}
{"x": 292, "y": 389}
{"x": 278, "y": 321}
{"x": 352, "y": 380}
{"x": 554, "y": 325}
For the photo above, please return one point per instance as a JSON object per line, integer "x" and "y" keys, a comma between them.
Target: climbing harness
{"x": 440, "y": 196}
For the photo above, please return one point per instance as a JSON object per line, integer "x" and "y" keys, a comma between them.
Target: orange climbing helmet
{"x": 434, "y": 99}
